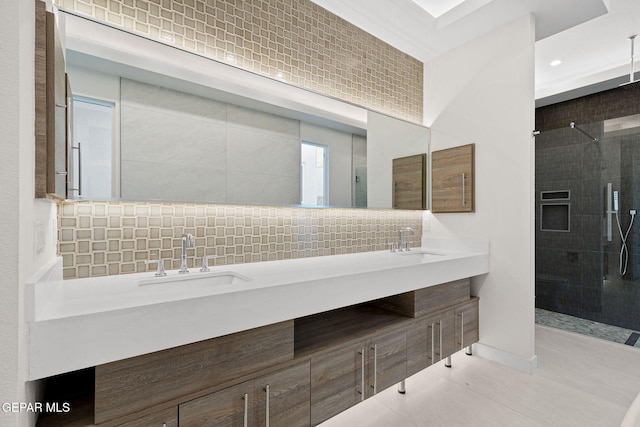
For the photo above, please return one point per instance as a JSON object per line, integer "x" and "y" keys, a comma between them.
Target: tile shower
{"x": 578, "y": 243}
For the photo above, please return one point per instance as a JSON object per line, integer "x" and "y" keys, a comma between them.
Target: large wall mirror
{"x": 152, "y": 123}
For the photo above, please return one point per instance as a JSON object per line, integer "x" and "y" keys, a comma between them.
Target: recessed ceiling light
{"x": 555, "y": 63}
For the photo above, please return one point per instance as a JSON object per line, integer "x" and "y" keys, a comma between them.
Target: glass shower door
{"x": 587, "y": 248}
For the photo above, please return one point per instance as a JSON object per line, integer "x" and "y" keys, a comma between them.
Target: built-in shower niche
{"x": 555, "y": 211}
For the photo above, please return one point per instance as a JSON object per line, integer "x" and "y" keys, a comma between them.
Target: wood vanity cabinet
{"x": 295, "y": 373}
{"x": 350, "y": 373}
{"x": 452, "y": 179}
{"x": 131, "y": 385}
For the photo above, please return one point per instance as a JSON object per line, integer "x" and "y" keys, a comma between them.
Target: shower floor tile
{"x": 587, "y": 327}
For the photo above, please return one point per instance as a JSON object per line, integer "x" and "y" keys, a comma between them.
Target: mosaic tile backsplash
{"x": 106, "y": 238}
{"x": 292, "y": 40}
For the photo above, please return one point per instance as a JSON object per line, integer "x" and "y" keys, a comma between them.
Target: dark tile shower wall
{"x": 600, "y": 106}
{"x": 568, "y": 264}
{"x": 577, "y": 271}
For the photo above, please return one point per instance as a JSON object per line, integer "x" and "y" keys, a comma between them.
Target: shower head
{"x": 572, "y": 125}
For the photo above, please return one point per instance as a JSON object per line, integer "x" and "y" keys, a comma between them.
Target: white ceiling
{"x": 589, "y": 36}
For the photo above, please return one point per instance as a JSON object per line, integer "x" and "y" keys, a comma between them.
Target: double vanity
{"x": 290, "y": 342}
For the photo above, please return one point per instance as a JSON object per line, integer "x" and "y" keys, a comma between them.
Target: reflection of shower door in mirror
{"x": 92, "y": 150}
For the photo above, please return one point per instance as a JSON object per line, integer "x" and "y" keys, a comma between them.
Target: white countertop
{"x": 74, "y": 324}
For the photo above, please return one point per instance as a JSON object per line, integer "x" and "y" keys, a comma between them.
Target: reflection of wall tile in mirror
{"x": 116, "y": 237}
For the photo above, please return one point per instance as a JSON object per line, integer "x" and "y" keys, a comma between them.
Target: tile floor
{"x": 580, "y": 381}
{"x": 587, "y": 327}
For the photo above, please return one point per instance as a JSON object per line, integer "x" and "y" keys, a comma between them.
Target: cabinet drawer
{"x": 130, "y": 385}
{"x": 428, "y": 300}
{"x": 166, "y": 418}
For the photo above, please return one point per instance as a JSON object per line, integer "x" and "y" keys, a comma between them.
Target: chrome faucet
{"x": 183, "y": 259}
{"x": 401, "y": 240}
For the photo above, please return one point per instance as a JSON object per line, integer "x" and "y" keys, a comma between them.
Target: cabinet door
{"x": 430, "y": 340}
{"x": 387, "y": 360}
{"x": 445, "y": 335}
{"x": 467, "y": 324}
{"x": 283, "y": 398}
{"x": 230, "y": 407}
{"x": 337, "y": 381}
{"x": 51, "y": 107}
{"x": 452, "y": 179}
{"x": 420, "y": 345}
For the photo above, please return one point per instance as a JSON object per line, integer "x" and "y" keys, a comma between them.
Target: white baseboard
{"x": 505, "y": 358}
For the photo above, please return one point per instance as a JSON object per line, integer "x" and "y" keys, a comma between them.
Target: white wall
{"x": 388, "y": 139}
{"x": 20, "y": 212}
{"x": 483, "y": 93}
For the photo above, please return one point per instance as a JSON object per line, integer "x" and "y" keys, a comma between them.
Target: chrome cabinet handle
{"x": 266, "y": 390}
{"x": 433, "y": 342}
{"x": 79, "y": 189}
{"x": 462, "y": 330}
{"x": 375, "y": 368}
{"x": 463, "y": 198}
{"x": 440, "y": 323}
{"x": 362, "y": 374}
{"x": 246, "y": 409}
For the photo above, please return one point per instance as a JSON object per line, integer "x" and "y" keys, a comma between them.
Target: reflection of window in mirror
{"x": 314, "y": 174}
{"x": 92, "y": 150}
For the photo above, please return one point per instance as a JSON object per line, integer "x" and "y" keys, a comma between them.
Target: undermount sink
{"x": 418, "y": 251}
{"x": 197, "y": 279}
